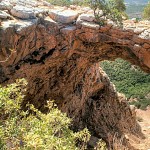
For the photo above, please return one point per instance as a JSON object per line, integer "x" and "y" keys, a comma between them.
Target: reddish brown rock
{"x": 61, "y": 62}
{"x": 146, "y": 45}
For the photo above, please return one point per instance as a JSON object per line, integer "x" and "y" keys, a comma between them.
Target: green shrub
{"x": 112, "y": 9}
{"x": 146, "y": 12}
{"x": 21, "y": 130}
{"x": 60, "y": 2}
{"x": 118, "y": 4}
{"x": 142, "y": 103}
{"x": 69, "y": 2}
{"x": 101, "y": 145}
{"x": 81, "y": 2}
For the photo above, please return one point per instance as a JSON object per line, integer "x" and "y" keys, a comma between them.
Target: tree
{"x": 146, "y": 12}
{"x": 119, "y": 5}
{"x": 112, "y": 9}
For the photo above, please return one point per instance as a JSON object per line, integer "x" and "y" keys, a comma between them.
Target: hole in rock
{"x": 129, "y": 80}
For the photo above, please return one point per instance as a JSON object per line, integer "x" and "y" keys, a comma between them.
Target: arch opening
{"x": 130, "y": 80}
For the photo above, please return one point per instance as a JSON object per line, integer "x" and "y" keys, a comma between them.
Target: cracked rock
{"x": 23, "y": 12}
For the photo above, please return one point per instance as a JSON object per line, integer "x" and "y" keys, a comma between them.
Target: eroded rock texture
{"x": 58, "y": 52}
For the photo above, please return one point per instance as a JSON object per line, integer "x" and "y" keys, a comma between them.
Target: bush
{"x": 81, "y": 2}
{"x": 112, "y": 9}
{"x": 142, "y": 103}
{"x": 118, "y": 4}
{"x": 69, "y": 2}
{"x": 146, "y": 13}
{"x": 60, "y": 2}
{"x": 21, "y": 130}
{"x": 31, "y": 129}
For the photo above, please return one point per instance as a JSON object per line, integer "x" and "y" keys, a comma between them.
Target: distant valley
{"x": 140, "y": 2}
{"x": 135, "y": 8}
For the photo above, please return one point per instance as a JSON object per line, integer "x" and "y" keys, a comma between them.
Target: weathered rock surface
{"x": 22, "y": 12}
{"x": 5, "y": 5}
{"x": 61, "y": 61}
{"x": 65, "y": 16}
{"x": 4, "y": 15}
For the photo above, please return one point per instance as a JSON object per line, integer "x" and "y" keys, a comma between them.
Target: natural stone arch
{"x": 61, "y": 62}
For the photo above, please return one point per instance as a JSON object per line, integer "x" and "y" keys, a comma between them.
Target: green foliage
{"x": 101, "y": 145}
{"x": 129, "y": 80}
{"x": 142, "y": 103}
{"x": 81, "y": 2}
{"x": 146, "y": 13}
{"x": 112, "y": 9}
{"x": 119, "y": 5}
{"x": 60, "y": 2}
{"x": 21, "y": 130}
{"x": 69, "y": 2}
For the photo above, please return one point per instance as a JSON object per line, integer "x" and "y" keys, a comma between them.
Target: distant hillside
{"x": 135, "y": 11}
{"x": 129, "y": 80}
{"x": 135, "y": 7}
{"x": 141, "y": 2}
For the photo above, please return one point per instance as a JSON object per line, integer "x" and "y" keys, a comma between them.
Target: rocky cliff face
{"x": 58, "y": 50}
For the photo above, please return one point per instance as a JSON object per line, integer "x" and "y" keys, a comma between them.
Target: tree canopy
{"x": 112, "y": 9}
{"x": 146, "y": 12}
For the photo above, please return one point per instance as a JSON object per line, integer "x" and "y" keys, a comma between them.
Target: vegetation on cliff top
{"x": 69, "y": 2}
{"x": 130, "y": 80}
{"x": 23, "y": 130}
{"x": 146, "y": 12}
{"x": 112, "y": 9}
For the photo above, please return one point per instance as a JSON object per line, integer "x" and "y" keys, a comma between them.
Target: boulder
{"x": 4, "y": 15}
{"x": 23, "y": 12}
{"x": 87, "y": 17}
{"x": 90, "y": 25}
{"x": 65, "y": 16}
{"x": 5, "y": 5}
{"x": 145, "y": 34}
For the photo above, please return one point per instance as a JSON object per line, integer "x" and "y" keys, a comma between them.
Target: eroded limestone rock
{"x": 65, "y": 16}
{"x": 23, "y": 12}
{"x": 4, "y": 15}
{"x": 61, "y": 61}
{"x": 5, "y": 5}
{"x": 87, "y": 17}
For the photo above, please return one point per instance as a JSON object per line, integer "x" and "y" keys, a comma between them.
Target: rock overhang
{"x": 135, "y": 36}
{"x": 58, "y": 54}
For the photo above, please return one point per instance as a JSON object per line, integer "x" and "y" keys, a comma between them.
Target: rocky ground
{"x": 143, "y": 118}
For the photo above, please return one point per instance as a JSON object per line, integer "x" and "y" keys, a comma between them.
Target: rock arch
{"x": 60, "y": 61}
